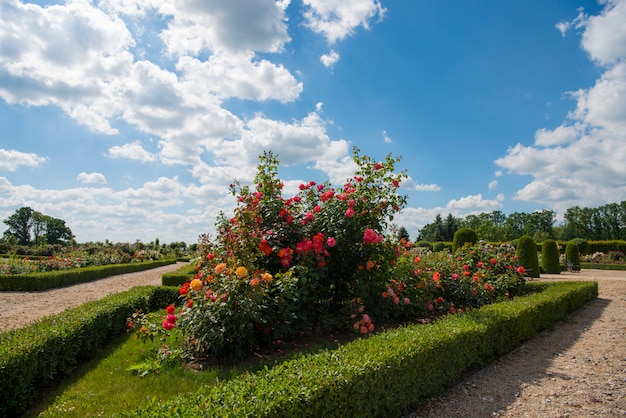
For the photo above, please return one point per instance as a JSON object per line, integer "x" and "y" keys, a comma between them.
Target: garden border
{"x": 388, "y": 374}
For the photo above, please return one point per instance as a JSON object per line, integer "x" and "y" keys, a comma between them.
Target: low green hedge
{"x": 388, "y": 374}
{"x": 603, "y": 266}
{"x": 62, "y": 278}
{"x": 32, "y": 356}
{"x": 180, "y": 276}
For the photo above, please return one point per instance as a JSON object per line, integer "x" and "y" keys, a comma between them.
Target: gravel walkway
{"x": 19, "y": 308}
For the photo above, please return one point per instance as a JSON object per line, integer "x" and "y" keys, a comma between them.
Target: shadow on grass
{"x": 103, "y": 385}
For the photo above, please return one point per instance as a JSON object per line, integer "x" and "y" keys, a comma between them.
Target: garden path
{"x": 20, "y": 308}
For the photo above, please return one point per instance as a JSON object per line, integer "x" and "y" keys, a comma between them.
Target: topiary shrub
{"x": 550, "y": 257}
{"x": 424, "y": 244}
{"x": 441, "y": 246}
{"x": 583, "y": 245}
{"x": 463, "y": 236}
{"x": 572, "y": 255}
{"x": 527, "y": 255}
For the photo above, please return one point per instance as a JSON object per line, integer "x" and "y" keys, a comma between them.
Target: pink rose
{"x": 168, "y": 325}
{"x": 350, "y": 212}
{"x": 331, "y": 242}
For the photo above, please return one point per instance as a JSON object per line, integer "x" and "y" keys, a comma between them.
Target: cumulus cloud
{"x": 132, "y": 151}
{"x": 409, "y": 184}
{"x": 11, "y": 159}
{"x": 336, "y": 20}
{"x": 581, "y": 162}
{"x": 414, "y": 218}
{"x": 330, "y": 59}
{"x": 91, "y": 178}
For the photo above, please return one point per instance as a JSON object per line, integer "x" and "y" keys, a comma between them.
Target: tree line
{"x": 606, "y": 222}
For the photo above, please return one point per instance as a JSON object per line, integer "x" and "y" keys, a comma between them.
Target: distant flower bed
{"x": 72, "y": 258}
{"x": 611, "y": 257}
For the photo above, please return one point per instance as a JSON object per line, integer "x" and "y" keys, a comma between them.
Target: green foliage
{"x": 397, "y": 369}
{"x": 464, "y": 236}
{"x": 550, "y": 257}
{"x": 30, "y": 357}
{"x": 61, "y": 278}
{"x": 527, "y": 255}
{"x": 572, "y": 255}
{"x": 423, "y": 244}
{"x": 442, "y": 246}
{"x": 583, "y": 245}
{"x": 176, "y": 278}
{"x": 604, "y": 247}
{"x": 26, "y": 223}
{"x": 306, "y": 258}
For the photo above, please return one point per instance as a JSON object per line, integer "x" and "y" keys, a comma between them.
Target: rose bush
{"x": 281, "y": 264}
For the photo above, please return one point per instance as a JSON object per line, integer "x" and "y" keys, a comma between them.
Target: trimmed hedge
{"x": 603, "y": 266}
{"x": 180, "y": 276}
{"x": 62, "y": 278}
{"x": 32, "y": 356}
{"x": 389, "y": 374}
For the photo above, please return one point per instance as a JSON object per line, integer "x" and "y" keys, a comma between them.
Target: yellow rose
{"x": 267, "y": 278}
{"x": 196, "y": 284}
{"x": 220, "y": 268}
{"x": 241, "y": 272}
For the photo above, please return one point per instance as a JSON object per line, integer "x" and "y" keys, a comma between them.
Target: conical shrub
{"x": 572, "y": 255}
{"x": 550, "y": 257}
{"x": 527, "y": 255}
{"x": 463, "y": 236}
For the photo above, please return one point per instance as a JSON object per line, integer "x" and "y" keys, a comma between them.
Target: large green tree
{"x": 31, "y": 227}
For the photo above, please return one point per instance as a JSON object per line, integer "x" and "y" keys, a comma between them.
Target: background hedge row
{"x": 62, "y": 278}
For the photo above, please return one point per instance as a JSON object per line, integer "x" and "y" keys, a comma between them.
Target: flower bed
{"x": 387, "y": 374}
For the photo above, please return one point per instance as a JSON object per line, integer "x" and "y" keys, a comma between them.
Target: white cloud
{"x": 91, "y": 178}
{"x": 562, "y": 135}
{"x": 132, "y": 151}
{"x": 240, "y": 76}
{"x": 414, "y": 218}
{"x": 386, "y": 137}
{"x": 330, "y": 59}
{"x": 410, "y": 184}
{"x": 605, "y": 35}
{"x": 66, "y": 55}
{"x": 493, "y": 185}
{"x": 337, "y": 19}
{"x": 11, "y": 159}
{"x": 235, "y": 25}
{"x": 581, "y": 162}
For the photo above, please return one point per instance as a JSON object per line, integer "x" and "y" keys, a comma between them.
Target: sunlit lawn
{"x": 104, "y": 386}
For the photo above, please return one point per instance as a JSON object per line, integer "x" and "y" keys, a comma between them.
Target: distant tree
{"x": 450, "y": 226}
{"x": 31, "y": 227}
{"x": 20, "y": 224}
{"x": 433, "y": 232}
{"x": 403, "y": 233}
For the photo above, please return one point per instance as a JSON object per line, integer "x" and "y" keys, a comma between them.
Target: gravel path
{"x": 576, "y": 370}
{"x": 19, "y": 308}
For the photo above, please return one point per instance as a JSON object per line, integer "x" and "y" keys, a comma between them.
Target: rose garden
{"x": 287, "y": 271}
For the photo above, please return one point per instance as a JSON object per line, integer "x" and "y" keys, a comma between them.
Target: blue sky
{"x": 129, "y": 118}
